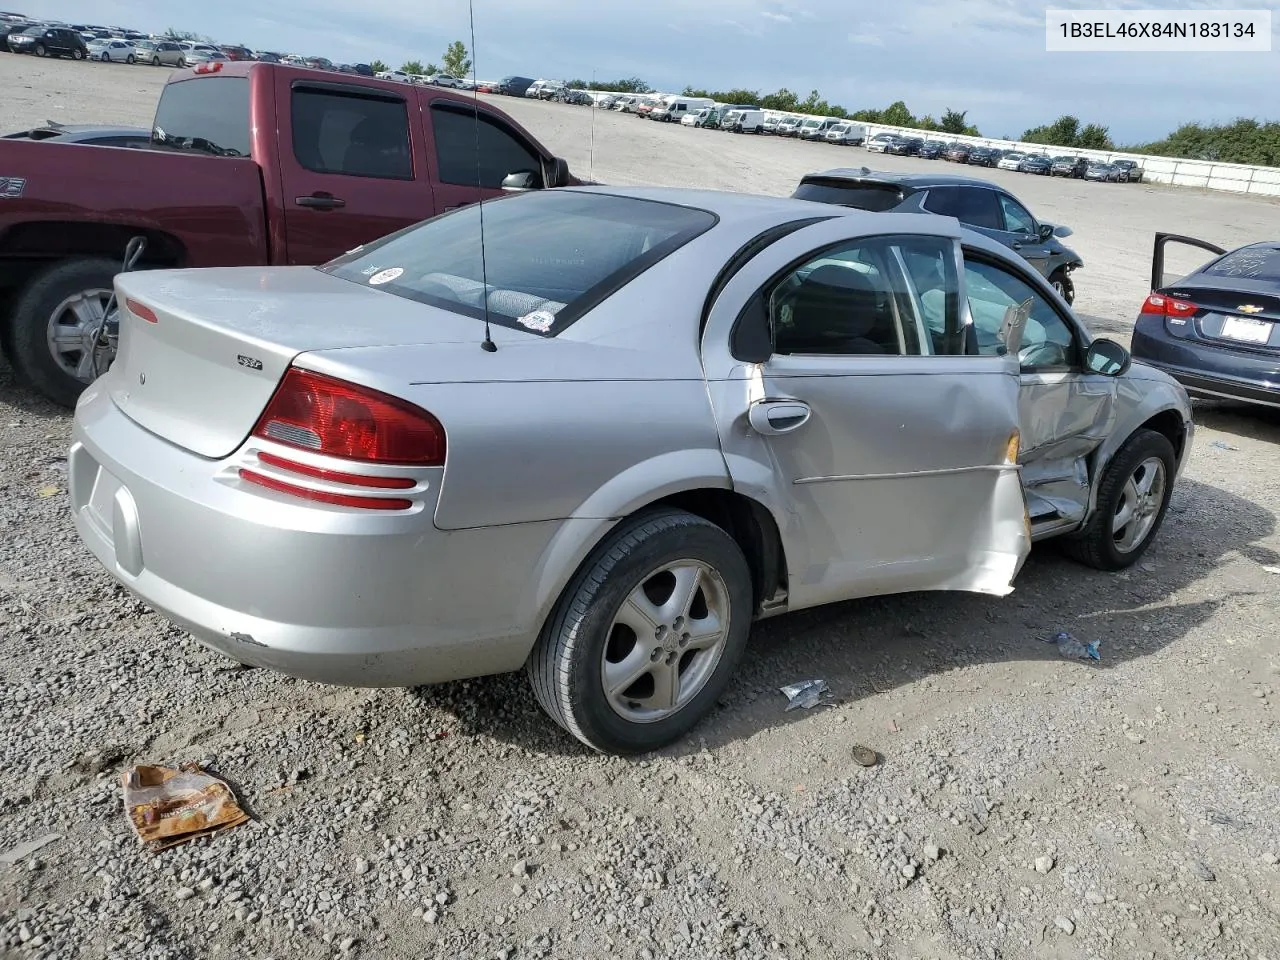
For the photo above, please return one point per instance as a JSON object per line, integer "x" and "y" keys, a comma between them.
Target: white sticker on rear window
{"x": 539, "y": 320}
{"x": 386, "y": 276}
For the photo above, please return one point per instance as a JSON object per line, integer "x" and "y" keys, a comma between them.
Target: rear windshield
{"x": 876, "y": 198}
{"x": 549, "y": 256}
{"x": 1249, "y": 263}
{"x": 205, "y": 114}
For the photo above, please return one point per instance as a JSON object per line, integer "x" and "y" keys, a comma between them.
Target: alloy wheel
{"x": 666, "y": 641}
{"x": 73, "y": 325}
{"x": 1139, "y": 506}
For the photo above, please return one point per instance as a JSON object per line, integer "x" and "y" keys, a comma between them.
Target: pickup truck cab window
{"x": 351, "y": 135}
{"x": 205, "y": 114}
{"x": 499, "y": 152}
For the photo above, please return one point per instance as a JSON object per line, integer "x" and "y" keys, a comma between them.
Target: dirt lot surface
{"x": 1025, "y": 806}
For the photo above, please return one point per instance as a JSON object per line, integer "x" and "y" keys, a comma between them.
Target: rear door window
{"x": 979, "y": 207}
{"x": 481, "y": 151}
{"x": 351, "y": 135}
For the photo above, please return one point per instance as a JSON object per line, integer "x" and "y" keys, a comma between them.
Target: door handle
{"x": 772, "y": 417}
{"x": 1017, "y": 244}
{"x": 320, "y": 201}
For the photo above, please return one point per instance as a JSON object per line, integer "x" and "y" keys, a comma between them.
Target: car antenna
{"x": 591, "y": 151}
{"x": 487, "y": 343}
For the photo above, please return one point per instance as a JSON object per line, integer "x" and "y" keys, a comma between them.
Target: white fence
{"x": 1235, "y": 177}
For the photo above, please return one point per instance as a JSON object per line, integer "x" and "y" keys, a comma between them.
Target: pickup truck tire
{"x": 41, "y": 305}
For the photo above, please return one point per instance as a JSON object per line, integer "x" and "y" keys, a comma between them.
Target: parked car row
{"x": 77, "y": 41}
{"x": 1042, "y": 164}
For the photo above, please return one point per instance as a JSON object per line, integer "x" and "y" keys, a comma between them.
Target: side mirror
{"x": 557, "y": 172}
{"x": 1061, "y": 231}
{"x": 1107, "y": 358}
{"x": 1046, "y": 231}
{"x": 519, "y": 181}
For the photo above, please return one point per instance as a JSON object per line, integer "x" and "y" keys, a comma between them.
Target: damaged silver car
{"x": 602, "y": 441}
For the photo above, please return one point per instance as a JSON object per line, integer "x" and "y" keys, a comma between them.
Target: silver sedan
{"x": 602, "y": 441}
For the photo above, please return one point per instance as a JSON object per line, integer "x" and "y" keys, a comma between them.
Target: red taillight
{"x": 338, "y": 419}
{"x": 337, "y": 476}
{"x": 1166, "y": 306}
{"x": 209, "y": 66}
{"x": 325, "y": 496}
{"x": 141, "y": 311}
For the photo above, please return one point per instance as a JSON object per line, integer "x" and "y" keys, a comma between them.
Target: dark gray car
{"x": 979, "y": 204}
{"x": 90, "y": 134}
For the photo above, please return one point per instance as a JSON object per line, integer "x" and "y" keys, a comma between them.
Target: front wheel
{"x": 1061, "y": 281}
{"x": 105, "y": 58}
{"x": 130, "y": 59}
{"x": 1132, "y": 500}
{"x": 155, "y": 61}
{"x": 645, "y": 637}
{"x": 41, "y": 51}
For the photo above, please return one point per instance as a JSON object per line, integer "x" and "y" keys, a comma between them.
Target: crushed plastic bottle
{"x": 1071, "y": 648}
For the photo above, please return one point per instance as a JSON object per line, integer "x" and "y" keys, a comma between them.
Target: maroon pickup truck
{"x": 248, "y": 164}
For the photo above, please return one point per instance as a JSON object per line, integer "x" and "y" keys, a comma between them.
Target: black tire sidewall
{"x": 1143, "y": 444}
{"x": 601, "y": 592}
{"x": 29, "y": 321}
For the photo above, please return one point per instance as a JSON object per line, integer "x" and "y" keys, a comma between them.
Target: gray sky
{"x": 984, "y": 56}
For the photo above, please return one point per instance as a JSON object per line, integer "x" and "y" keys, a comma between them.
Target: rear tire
{"x": 1147, "y": 458}
{"x": 589, "y": 636}
{"x": 33, "y": 316}
{"x": 77, "y": 54}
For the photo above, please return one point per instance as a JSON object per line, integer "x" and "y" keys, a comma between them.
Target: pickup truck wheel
{"x": 645, "y": 637}
{"x": 53, "y": 321}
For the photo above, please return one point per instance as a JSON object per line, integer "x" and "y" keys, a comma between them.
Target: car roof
{"x": 918, "y": 181}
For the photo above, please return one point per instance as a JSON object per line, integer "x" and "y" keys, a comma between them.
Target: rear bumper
{"x": 326, "y": 594}
{"x": 1207, "y": 370}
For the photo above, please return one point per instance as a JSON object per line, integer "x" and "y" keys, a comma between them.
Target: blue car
{"x": 1217, "y": 329}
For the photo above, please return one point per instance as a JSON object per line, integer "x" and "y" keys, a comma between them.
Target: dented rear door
{"x": 886, "y": 472}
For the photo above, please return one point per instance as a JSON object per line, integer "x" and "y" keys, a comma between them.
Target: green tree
{"x": 928, "y": 123}
{"x": 1240, "y": 141}
{"x": 378, "y": 67}
{"x": 784, "y": 100}
{"x": 1095, "y": 137}
{"x": 411, "y": 66}
{"x": 897, "y": 115}
{"x": 455, "y": 59}
{"x": 953, "y": 121}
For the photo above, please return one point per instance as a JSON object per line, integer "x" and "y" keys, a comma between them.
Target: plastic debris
{"x": 1271, "y": 570}
{"x": 865, "y": 756}
{"x": 1222, "y": 445}
{"x": 168, "y": 806}
{"x": 807, "y": 694}
{"x": 23, "y": 850}
{"x": 1071, "y": 648}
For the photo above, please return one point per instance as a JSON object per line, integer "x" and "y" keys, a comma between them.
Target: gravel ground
{"x": 1025, "y": 806}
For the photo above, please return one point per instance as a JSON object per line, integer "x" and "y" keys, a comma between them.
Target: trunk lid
{"x": 1238, "y": 312}
{"x": 202, "y": 371}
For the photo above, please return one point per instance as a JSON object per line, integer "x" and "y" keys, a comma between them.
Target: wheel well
{"x": 26, "y": 245}
{"x": 750, "y": 524}
{"x": 1169, "y": 423}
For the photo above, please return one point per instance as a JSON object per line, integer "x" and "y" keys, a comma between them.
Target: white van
{"x": 744, "y": 121}
{"x": 675, "y": 109}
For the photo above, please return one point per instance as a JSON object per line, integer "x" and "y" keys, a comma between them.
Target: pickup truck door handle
{"x": 772, "y": 417}
{"x": 320, "y": 201}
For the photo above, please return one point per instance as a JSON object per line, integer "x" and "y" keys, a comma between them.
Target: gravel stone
{"x": 1065, "y": 924}
{"x": 1044, "y": 864}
